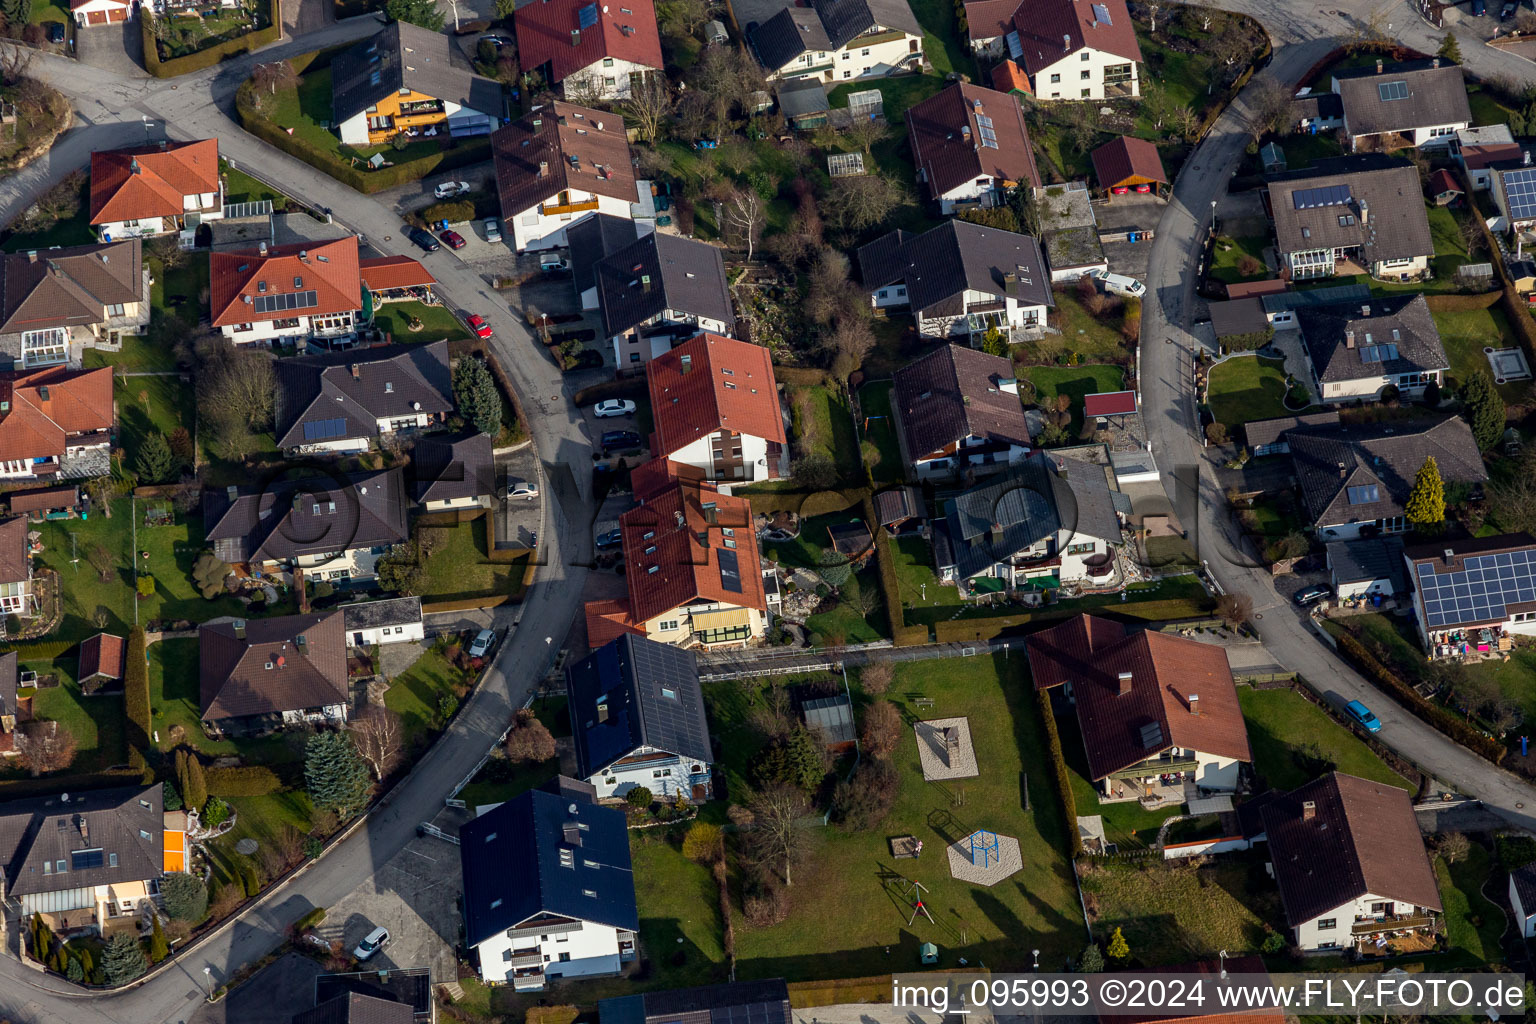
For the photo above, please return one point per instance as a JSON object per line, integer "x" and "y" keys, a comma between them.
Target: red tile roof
{"x": 329, "y": 269}
{"x": 561, "y": 147}
{"x": 709, "y": 384}
{"x": 1246, "y": 289}
{"x": 650, "y": 478}
{"x": 676, "y": 552}
{"x": 1042, "y": 24}
{"x": 1110, "y": 403}
{"x": 15, "y": 553}
{"x": 624, "y": 31}
{"x": 1478, "y": 158}
{"x": 608, "y": 620}
{"x": 1165, "y": 673}
{"x": 1008, "y": 76}
{"x": 1127, "y": 158}
{"x": 150, "y": 181}
{"x": 102, "y": 655}
{"x": 946, "y": 138}
{"x": 39, "y": 499}
{"x": 1443, "y": 181}
{"x": 988, "y": 19}
{"x": 381, "y": 273}
{"x": 35, "y": 426}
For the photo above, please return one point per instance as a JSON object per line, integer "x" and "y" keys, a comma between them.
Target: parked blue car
{"x": 1362, "y": 714}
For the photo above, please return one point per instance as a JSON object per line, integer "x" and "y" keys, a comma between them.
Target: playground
{"x": 944, "y": 749}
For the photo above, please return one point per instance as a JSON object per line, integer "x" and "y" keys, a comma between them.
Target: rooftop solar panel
{"x": 587, "y": 16}
{"x": 730, "y": 571}
{"x": 1325, "y": 195}
{"x": 1520, "y": 191}
{"x": 1392, "y": 90}
{"x": 1480, "y": 591}
{"x": 1364, "y": 494}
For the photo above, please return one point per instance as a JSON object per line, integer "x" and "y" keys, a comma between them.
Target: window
{"x": 634, "y": 357}
{"x": 115, "y": 309}
{"x": 667, "y": 625}
{"x": 847, "y": 55}
{"x": 1055, "y": 79}
{"x": 1085, "y": 75}
{"x": 847, "y": 74}
{"x": 1383, "y": 909}
{"x": 669, "y": 693}
{"x": 1083, "y": 56}
{"x": 45, "y": 347}
{"x": 864, "y": 53}
{"x": 1392, "y": 91}
{"x": 607, "y": 62}
{"x": 1364, "y": 494}
{"x": 883, "y": 293}
{"x": 1325, "y": 924}
{"x": 1081, "y": 549}
{"x": 1086, "y": 93}
{"x": 58, "y": 865}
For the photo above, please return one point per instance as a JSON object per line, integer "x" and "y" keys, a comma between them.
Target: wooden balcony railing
{"x": 558, "y": 209}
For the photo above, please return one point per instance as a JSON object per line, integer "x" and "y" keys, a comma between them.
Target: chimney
{"x": 1308, "y": 810}
{"x": 571, "y": 833}
{"x": 42, "y": 392}
{"x": 1365, "y": 212}
{"x": 1066, "y": 43}
{"x": 239, "y": 629}
{"x": 133, "y": 166}
{"x": 686, "y": 361}
{"x": 1194, "y": 703}
{"x": 575, "y": 37}
{"x": 1125, "y": 683}
{"x": 602, "y": 712}
{"x": 1526, "y": 157}
{"x": 85, "y": 828}
{"x": 1349, "y": 339}
{"x": 302, "y": 644}
{"x": 32, "y": 256}
{"x": 543, "y": 168}
{"x": 232, "y": 493}
{"x": 263, "y": 248}
{"x": 645, "y": 286}
{"x": 1450, "y": 556}
{"x": 357, "y": 372}
{"x": 1342, "y": 471}
{"x": 1378, "y": 65}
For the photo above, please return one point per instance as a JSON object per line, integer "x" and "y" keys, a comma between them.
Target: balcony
{"x": 524, "y": 961}
{"x": 1100, "y": 565}
{"x": 421, "y": 108}
{"x": 1398, "y": 923}
{"x": 561, "y": 209}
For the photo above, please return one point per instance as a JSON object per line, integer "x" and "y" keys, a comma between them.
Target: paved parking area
{"x": 519, "y": 517}
{"x": 1127, "y": 212}
{"x": 116, "y": 48}
{"x": 477, "y": 248}
{"x": 273, "y": 996}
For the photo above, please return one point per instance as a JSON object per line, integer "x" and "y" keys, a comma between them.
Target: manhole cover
{"x": 246, "y": 846}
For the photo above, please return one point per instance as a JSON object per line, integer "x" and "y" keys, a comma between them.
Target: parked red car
{"x": 452, "y": 239}
{"x": 478, "y": 325}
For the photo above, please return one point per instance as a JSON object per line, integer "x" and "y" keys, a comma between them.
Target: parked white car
{"x": 522, "y": 489}
{"x": 449, "y": 189}
{"x": 492, "y": 229}
{"x": 376, "y": 940}
{"x": 481, "y": 643}
{"x": 1119, "y": 284}
{"x": 614, "y": 407}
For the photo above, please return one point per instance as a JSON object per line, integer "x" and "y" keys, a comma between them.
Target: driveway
{"x": 518, "y": 518}
{"x": 1127, "y": 213}
{"x": 118, "y": 48}
{"x": 274, "y": 995}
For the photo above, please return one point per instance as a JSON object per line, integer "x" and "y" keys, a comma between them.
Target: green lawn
{"x": 1515, "y": 678}
{"x": 881, "y": 449}
{"x": 1230, "y": 252}
{"x": 240, "y": 187}
{"x": 1282, "y": 725}
{"x": 149, "y": 405}
{"x": 944, "y": 42}
{"x": 137, "y": 355}
{"x": 1247, "y": 388}
{"x": 1074, "y": 382}
{"x": 1172, "y": 913}
{"x": 177, "y": 291}
{"x": 1305, "y": 150}
{"x": 925, "y": 598}
{"x": 97, "y": 723}
{"x": 414, "y": 696}
{"x": 44, "y": 11}
{"x": 1083, "y": 335}
{"x": 823, "y": 423}
{"x": 1486, "y": 110}
{"x": 307, "y": 107}
{"x": 438, "y": 323}
{"x": 502, "y": 780}
{"x": 844, "y": 624}
{"x": 807, "y": 548}
{"x": 457, "y": 568}
{"x": 1473, "y": 923}
{"x": 1465, "y": 333}
{"x": 75, "y": 230}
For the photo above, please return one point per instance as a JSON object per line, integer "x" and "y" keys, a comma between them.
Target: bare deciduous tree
{"x": 234, "y": 393}
{"x": 649, "y": 103}
{"x": 44, "y": 746}
{"x": 530, "y": 739}
{"x": 274, "y": 73}
{"x": 864, "y": 132}
{"x": 1269, "y": 108}
{"x": 864, "y": 201}
{"x": 379, "y": 738}
{"x": 876, "y": 677}
{"x": 778, "y": 835}
{"x": 1234, "y": 608}
{"x": 882, "y": 729}
{"x": 745, "y": 213}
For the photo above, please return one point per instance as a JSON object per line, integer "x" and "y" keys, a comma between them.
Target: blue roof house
{"x": 548, "y": 888}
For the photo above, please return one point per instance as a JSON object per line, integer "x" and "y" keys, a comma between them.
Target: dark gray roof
{"x": 359, "y": 388}
{"x": 353, "y": 1008}
{"x": 801, "y": 96}
{"x": 1334, "y": 464}
{"x": 831, "y": 718}
{"x": 411, "y": 986}
{"x": 511, "y": 860}
{"x": 1384, "y": 336}
{"x": 827, "y": 25}
{"x": 739, "y": 1002}
{"x": 953, "y": 393}
{"x": 1357, "y": 561}
{"x": 1324, "y": 106}
{"x": 101, "y": 836}
{"x": 593, "y": 238}
{"x": 394, "y": 611}
{"x": 940, "y": 264}
{"x": 683, "y": 274}
{"x": 1267, "y": 432}
{"x": 632, "y": 693}
{"x": 1524, "y": 878}
{"x": 452, "y": 466}
{"x": 8, "y": 677}
{"x": 786, "y": 35}
{"x": 403, "y": 55}
{"x": 898, "y": 504}
{"x": 1519, "y": 269}
{"x": 1034, "y": 501}
{"x": 1403, "y": 97}
{"x": 1282, "y": 302}
{"x": 1238, "y": 316}
{"x": 1381, "y": 209}
{"x": 280, "y": 521}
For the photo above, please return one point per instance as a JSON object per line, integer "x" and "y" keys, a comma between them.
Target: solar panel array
{"x": 83, "y": 860}
{"x": 1520, "y": 191}
{"x": 1101, "y": 14}
{"x": 988, "y": 133}
{"x": 1378, "y": 353}
{"x": 1327, "y": 195}
{"x": 286, "y": 301}
{"x": 1481, "y": 591}
{"x": 587, "y": 16}
{"x": 1364, "y": 494}
{"x": 730, "y": 571}
{"x": 1392, "y": 91}
{"x": 324, "y": 430}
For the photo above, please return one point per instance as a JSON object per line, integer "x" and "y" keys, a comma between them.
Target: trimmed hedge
{"x": 42, "y": 650}
{"x": 1248, "y": 342}
{"x": 800, "y": 376}
{"x": 468, "y": 604}
{"x": 244, "y": 780}
{"x": 1431, "y": 714}
{"x": 136, "y": 690}
{"x": 215, "y": 54}
{"x": 885, "y": 562}
{"x": 909, "y": 636}
{"x": 309, "y": 920}
{"x": 1018, "y": 623}
{"x": 806, "y": 503}
{"x": 17, "y": 789}
{"x": 1460, "y": 303}
{"x": 1063, "y": 780}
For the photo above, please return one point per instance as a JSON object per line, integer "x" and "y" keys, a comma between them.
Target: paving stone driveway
{"x": 117, "y": 48}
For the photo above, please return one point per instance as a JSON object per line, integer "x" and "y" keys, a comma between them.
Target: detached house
{"x": 261, "y": 674}
{"x": 958, "y": 408}
{"x": 970, "y": 146}
{"x": 1473, "y": 596}
{"x": 392, "y": 620}
{"x": 638, "y": 717}
{"x": 1046, "y": 522}
{"x": 835, "y": 40}
{"x": 1070, "y": 49}
{"x": 56, "y": 303}
{"x": 88, "y": 862}
{"x": 150, "y": 190}
{"x": 692, "y": 567}
{"x": 16, "y": 596}
{"x": 549, "y": 891}
{"x": 592, "y": 50}
{"x": 1158, "y": 712}
{"x": 1350, "y": 862}
{"x": 1352, "y": 215}
{"x": 293, "y": 292}
{"x": 959, "y": 279}
{"x": 409, "y": 80}
{"x": 656, "y": 291}
{"x": 560, "y": 164}
{"x": 715, "y": 405}
{"x": 1355, "y": 478}
{"x": 455, "y": 471}
{"x": 1356, "y": 350}
{"x": 344, "y": 401}
{"x": 56, "y": 423}
{"x": 1420, "y": 103}
{"x": 333, "y": 532}
{"x": 592, "y": 240}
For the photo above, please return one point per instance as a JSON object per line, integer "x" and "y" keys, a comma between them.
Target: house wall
{"x": 1071, "y": 83}
{"x": 1309, "y": 935}
{"x": 419, "y": 419}
{"x": 891, "y": 295}
{"x": 606, "y": 79}
{"x": 445, "y": 504}
{"x": 860, "y": 58}
{"x": 1436, "y": 136}
{"x": 534, "y": 229}
{"x": 1392, "y": 269}
{"x": 631, "y": 351}
{"x": 1222, "y": 844}
{"x": 1215, "y": 772}
{"x": 1350, "y": 531}
{"x": 267, "y": 330}
{"x": 341, "y": 444}
{"x": 674, "y": 627}
{"x": 1370, "y": 387}
{"x": 1071, "y": 274}
{"x": 1525, "y": 919}
{"x": 663, "y": 773}
{"x": 99, "y": 12}
{"x": 953, "y": 459}
{"x": 404, "y": 632}
{"x": 355, "y": 130}
{"x": 329, "y": 713}
{"x": 592, "y": 949}
{"x": 701, "y": 453}
{"x": 979, "y": 192}
{"x": 142, "y": 228}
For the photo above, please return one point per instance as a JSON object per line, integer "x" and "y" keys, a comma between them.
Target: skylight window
{"x": 1364, "y": 494}
{"x": 1392, "y": 91}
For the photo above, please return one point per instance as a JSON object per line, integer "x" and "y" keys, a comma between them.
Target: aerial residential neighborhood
{"x": 682, "y": 512}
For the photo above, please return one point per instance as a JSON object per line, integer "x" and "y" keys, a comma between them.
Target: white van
{"x": 1119, "y": 284}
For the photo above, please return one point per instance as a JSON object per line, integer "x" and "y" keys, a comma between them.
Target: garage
{"x": 99, "y": 12}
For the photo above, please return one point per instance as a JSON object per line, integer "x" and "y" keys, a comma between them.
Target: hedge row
{"x": 806, "y": 503}
{"x": 910, "y": 636}
{"x": 244, "y": 780}
{"x": 332, "y": 163}
{"x": 507, "y": 390}
{"x": 1461, "y": 303}
{"x": 1433, "y": 714}
{"x": 136, "y": 690}
{"x": 1015, "y": 624}
{"x": 800, "y": 376}
{"x": 469, "y": 603}
{"x": 42, "y": 650}
{"x": 215, "y": 54}
{"x": 1248, "y": 342}
{"x": 1063, "y": 780}
{"x": 16, "y": 789}
{"x": 885, "y": 562}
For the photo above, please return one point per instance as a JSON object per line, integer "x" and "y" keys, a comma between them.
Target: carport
{"x": 1128, "y": 164}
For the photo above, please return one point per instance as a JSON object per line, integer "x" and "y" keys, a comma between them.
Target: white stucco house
{"x": 1366, "y": 568}
{"x": 395, "y": 620}
{"x": 591, "y": 51}
{"x": 1468, "y": 595}
{"x": 1522, "y": 897}
{"x": 658, "y": 290}
{"x": 1068, "y": 49}
{"x": 149, "y": 190}
{"x": 958, "y": 409}
{"x": 1357, "y": 350}
{"x": 835, "y": 40}
{"x": 1352, "y": 215}
{"x": 1423, "y": 103}
{"x": 286, "y": 292}
{"x": 340, "y": 402}
{"x": 715, "y": 406}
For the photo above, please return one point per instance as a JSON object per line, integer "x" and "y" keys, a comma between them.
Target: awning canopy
{"x": 723, "y": 619}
